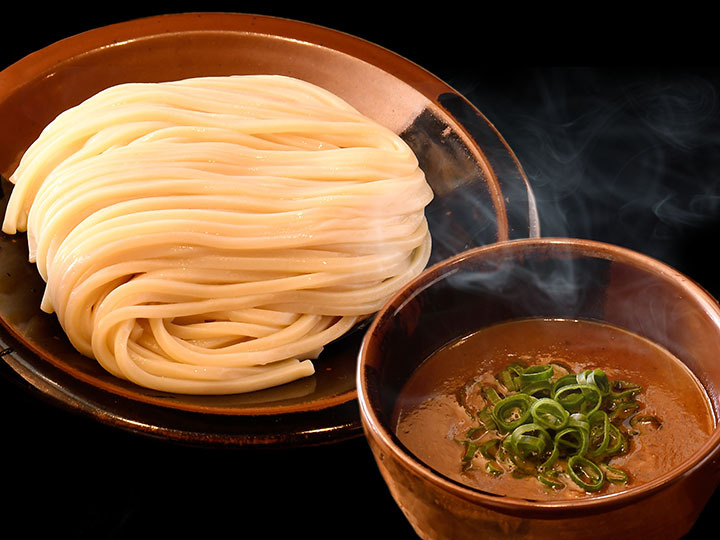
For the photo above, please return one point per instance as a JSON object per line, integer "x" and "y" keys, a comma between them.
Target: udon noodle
{"x": 212, "y": 235}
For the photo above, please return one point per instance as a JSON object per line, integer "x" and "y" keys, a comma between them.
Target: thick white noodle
{"x": 212, "y": 235}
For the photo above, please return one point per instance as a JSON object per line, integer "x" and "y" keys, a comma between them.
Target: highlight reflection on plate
{"x": 481, "y": 196}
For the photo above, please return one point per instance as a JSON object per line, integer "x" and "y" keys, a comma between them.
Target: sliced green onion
{"x": 599, "y": 433}
{"x": 565, "y": 380}
{"x": 617, "y": 443}
{"x": 579, "y": 420}
{"x": 595, "y": 377}
{"x": 550, "y": 481}
{"x": 475, "y": 433}
{"x": 549, "y": 414}
{"x": 584, "y": 398}
{"x": 585, "y": 473}
{"x": 491, "y": 394}
{"x": 529, "y": 440}
{"x": 593, "y": 398}
{"x": 538, "y": 389}
{"x": 561, "y": 366}
{"x": 615, "y": 475}
{"x": 489, "y": 449}
{"x": 470, "y": 449}
{"x": 582, "y": 377}
{"x": 601, "y": 380}
{"x": 510, "y": 376}
{"x": 623, "y": 389}
{"x": 551, "y": 460}
{"x": 646, "y": 419}
{"x": 523, "y": 467}
{"x": 571, "y": 396}
{"x": 573, "y": 439}
{"x": 485, "y": 417}
{"x": 493, "y": 468}
{"x": 623, "y": 409}
{"x": 512, "y": 411}
{"x": 542, "y": 419}
{"x": 535, "y": 374}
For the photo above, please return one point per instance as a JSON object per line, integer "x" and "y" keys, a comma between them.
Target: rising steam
{"x": 627, "y": 156}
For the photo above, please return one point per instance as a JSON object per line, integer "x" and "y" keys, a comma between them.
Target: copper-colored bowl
{"x": 562, "y": 278}
{"x": 481, "y": 196}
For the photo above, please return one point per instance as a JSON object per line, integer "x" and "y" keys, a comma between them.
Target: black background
{"x": 616, "y": 120}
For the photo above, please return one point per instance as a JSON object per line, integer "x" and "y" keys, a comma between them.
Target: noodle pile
{"x": 212, "y": 235}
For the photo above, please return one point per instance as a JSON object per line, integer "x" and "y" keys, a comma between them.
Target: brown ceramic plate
{"x": 481, "y": 196}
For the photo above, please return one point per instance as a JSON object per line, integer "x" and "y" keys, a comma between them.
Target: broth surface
{"x": 429, "y": 419}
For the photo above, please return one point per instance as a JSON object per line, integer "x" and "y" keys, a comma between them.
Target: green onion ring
{"x": 529, "y": 439}
{"x": 534, "y": 374}
{"x": 619, "y": 440}
{"x": 646, "y": 419}
{"x": 579, "y": 397}
{"x": 475, "y": 433}
{"x": 571, "y": 396}
{"x": 491, "y": 394}
{"x": 578, "y": 446}
{"x": 588, "y": 469}
{"x": 549, "y": 414}
{"x": 582, "y": 377}
{"x": 597, "y": 378}
{"x": 538, "y": 389}
{"x": 624, "y": 409}
{"x": 504, "y": 410}
{"x": 601, "y": 419}
{"x": 509, "y": 375}
{"x": 565, "y": 380}
{"x": 579, "y": 420}
{"x": 551, "y": 460}
{"x": 615, "y": 475}
{"x": 485, "y": 417}
{"x": 600, "y": 379}
{"x": 470, "y": 449}
{"x": 489, "y": 449}
{"x": 591, "y": 390}
{"x": 550, "y": 482}
{"x": 523, "y": 467}
{"x": 492, "y": 468}
{"x": 562, "y": 365}
{"x": 622, "y": 389}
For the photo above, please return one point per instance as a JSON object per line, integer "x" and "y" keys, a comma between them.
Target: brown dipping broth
{"x": 430, "y": 421}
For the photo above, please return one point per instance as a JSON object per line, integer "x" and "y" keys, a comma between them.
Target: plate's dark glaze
{"x": 481, "y": 196}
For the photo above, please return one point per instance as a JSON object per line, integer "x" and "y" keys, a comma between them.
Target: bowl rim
{"x": 375, "y": 429}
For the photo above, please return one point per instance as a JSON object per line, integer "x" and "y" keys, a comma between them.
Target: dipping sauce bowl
{"x": 547, "y": 278}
